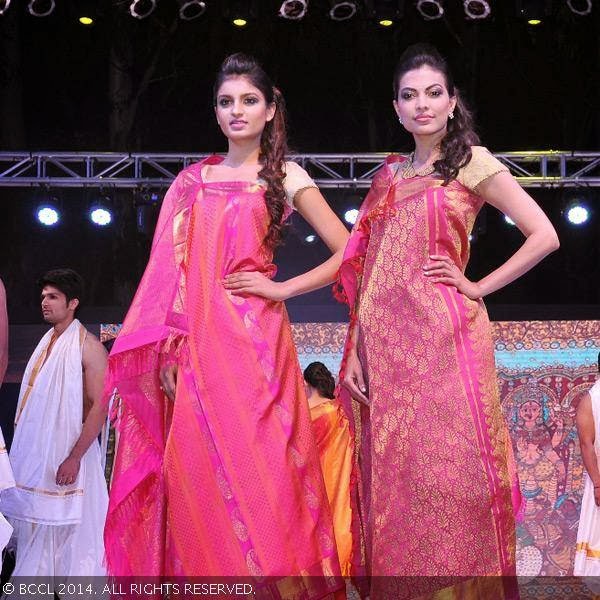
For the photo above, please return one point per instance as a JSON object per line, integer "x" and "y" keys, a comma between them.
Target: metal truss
{"x": 111, "y": 170}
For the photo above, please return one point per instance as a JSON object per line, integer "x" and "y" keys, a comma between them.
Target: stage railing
{"x": 546, "y": 168}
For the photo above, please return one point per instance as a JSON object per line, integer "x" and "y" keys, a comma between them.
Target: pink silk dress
{"x": 438, "y": 487}
{"x": 225, "y": 481}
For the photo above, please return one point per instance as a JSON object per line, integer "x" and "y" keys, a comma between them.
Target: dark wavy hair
{"x": 455, "y": 148}
{"x": 67, "y": 281}
{"x": 319, "y": 376}
{"x": 273, "y": 143}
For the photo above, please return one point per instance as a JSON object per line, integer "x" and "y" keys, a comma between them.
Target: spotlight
{"x": 580, "y": 7}
{"x": 386, "y": 12}
{"x": 4, "y": 4}
{"x": 41, "y": 8}
{"x": 532, "y": 11}
{"x": 100, "y": 214}
{"x": 191, "y": 9}
{"x": 293, "y": 10}
{"x": 310, "y": 239}
{"x": 430, "y": 10}
{"x": 342, "y": 11}
{"x": 577, "y": 213}
{"x": 241, "y": 12}
{"x": 509, "y": 220}
{"x": 87, "y": 11}
{"x": 47, "y": 215}
{"x": 351, "y": 215}
{"x": 477, "y": 9}
{"x": 140, "y": 9}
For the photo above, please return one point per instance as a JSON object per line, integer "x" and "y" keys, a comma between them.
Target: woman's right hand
{"x": 168, "y": 380}
{"x": 353, "y": 380}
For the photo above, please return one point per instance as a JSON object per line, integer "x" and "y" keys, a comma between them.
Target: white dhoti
{"x": 587, "y": 555}
{"x": 6, "y": 481}
{"x": 58, "y": 529}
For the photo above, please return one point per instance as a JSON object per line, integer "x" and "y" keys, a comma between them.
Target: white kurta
{"x": 587, "y": 555}
{"x": 58, "y": 529}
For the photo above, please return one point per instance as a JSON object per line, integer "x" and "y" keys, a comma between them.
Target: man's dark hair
{"x": 69, "y": 282}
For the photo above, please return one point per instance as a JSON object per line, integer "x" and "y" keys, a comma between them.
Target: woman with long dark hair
{"x": 332, "y": 435}
{"x": 216, "y": 471}
{"x": 438, "y": 487}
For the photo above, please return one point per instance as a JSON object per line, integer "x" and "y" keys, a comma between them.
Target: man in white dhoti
{"x": 6, "y": 475}
{"x": 58, "y": 506}
{"x": 587, "y": 555}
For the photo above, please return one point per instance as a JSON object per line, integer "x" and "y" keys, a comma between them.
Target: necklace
{"x": 409, "y": 170}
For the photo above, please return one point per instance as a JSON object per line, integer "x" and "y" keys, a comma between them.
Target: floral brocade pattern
{"x": 434, "y": 449}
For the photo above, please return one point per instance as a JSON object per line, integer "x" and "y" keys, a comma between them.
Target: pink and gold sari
{"x": 438, "y": 487}
{"x": 226, "y": 480}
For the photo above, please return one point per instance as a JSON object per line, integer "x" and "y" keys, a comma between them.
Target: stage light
{"x": 387, "y": 12}
{"x": 430, "y": 10}
{"x": 191, "y": 9}
{"x": 580, "y": 7}
{"x": 100, "y": 215}
{"x": 310, "y": 239}
{"x": 477, "y": 9}
{"x": 87, "y": 21}
{"x": 41, "y": 8}
{"x": 577, "y": 213}
{"x": 508, "y": 220}
{"x": 48, "y": 215}
{"x": 293, "y": 10}
{"x": 342, "y": 11}
{"x": 241, "y": 12}
{"x": 4, "y": 4}
{"x": 351, "y": 215}
{"x": 532, "y": 11}
{"x": 140, "y": 9}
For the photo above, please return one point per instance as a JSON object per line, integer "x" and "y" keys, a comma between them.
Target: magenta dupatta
{"x": 225, "y": 480}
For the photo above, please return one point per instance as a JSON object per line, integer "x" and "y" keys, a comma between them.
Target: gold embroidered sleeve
{"x": 482, "y": 166}
{"x": 296, "y": 181}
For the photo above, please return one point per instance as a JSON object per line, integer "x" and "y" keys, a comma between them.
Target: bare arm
{"x": 314, "y": 208}
{"x": 3, "y": 333}
{"x": 587, "y": 435}
{"x": 503, "y": 192}
{"x": 94, "y": 366}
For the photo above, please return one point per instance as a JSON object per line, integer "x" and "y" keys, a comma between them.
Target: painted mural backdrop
{"x": 543, "y": 368}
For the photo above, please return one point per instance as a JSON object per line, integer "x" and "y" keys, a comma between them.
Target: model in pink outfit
{"x": 438, "y": 489}
{"x": 217, "y": 472}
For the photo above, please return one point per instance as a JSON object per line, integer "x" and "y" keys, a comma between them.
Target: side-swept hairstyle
{"x": 69, "y": 282}
{"x": 273, "y": 143}
{"x": 455, "y": 148}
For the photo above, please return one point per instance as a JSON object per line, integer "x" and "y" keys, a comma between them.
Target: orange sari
{"x": 332, "y": 434}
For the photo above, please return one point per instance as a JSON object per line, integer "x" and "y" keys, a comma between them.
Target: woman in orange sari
{"x": 332, "y": 434}
{"x": 438, "y": 482}
{"x": 217, "y": 473}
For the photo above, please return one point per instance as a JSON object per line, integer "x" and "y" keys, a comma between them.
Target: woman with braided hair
{"x": 332, "y": 434}
{"x": 217, "y": 472}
